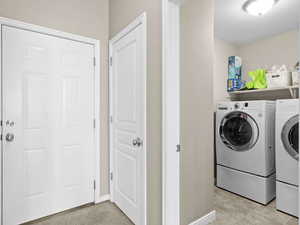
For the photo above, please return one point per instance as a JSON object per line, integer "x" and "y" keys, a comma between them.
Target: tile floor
{"x": 235, "y": 210}
{"x": 231, "y": 210}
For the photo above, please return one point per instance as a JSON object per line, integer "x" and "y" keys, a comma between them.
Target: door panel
{"x": 128, "y": 113}
{"x": 75, "y": 140}
{"x": 48, "y": 94}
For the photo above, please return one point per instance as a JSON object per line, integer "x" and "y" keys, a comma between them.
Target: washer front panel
{"x": 239, "y": 131}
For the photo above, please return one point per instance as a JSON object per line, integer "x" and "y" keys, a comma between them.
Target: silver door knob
{"x": 9, "y": 137}
{"x": 137, "y": 142}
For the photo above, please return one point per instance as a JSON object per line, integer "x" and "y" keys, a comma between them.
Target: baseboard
{"x": 103, "y": 198}
{"x": 210, "y": 217}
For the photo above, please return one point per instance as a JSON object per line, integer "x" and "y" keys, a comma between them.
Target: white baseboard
{"x": 210, "y": 217}
{"x": 103, "y": 198}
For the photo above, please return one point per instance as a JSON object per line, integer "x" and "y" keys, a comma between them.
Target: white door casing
{"x": 128, "y": 120}
{"x": 49, "y": 103}
{"x": 299, "y": 121}
{"x": 171, "y": 113}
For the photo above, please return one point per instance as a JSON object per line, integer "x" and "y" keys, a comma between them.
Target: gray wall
{"x": 86, "y": 18}
{"x": 197, "y": 49}
{"x": 122, "y": 13}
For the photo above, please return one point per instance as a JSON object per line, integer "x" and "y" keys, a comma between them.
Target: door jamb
{"x": 97, "y": 97}
{"x": 170, "y": 135}
{"x": 299, "y": 121}
{"x": 139, "y": 21}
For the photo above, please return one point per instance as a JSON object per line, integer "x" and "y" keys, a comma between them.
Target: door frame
{"x": 299, "y": 121}
{"x": 139, "y": 21}
{"x": 171, "y": 135}
{"x": 97, "y": 117}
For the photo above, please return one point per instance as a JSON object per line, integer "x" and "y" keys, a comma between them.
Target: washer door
{"x": 239, "y": 131}
{"x": 290, "y": 137}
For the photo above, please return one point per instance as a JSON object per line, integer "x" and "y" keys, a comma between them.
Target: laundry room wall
{"x": 222, "y": 51}
{"x": 196, "y": 159}
{"x": 86, "y": 18}
{"x": 278, "y": 49}
{"x": 121, "y": 14}
{"x": 264, "y": 53}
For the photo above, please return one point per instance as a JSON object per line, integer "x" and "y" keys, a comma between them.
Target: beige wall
{"x": 222, "y": 51}
{"x": 122, "y": 13}
{"x": 196, "y": 178}
{"x": 87, "y": 18}
{"x": 279, "y": 49}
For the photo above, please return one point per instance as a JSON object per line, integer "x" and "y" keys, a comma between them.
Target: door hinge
{"x": 94, "y": 61}
{"x": 94, "y": 184}
{"x": 178, "y": 148}
{"x": 94, "y": 123}
{"x": 1, "y": 137}
{"x": 110, "y": 61}
{"x": 111, "y": 176}
{"x": 1, "y": 123}
{"x": 111, "y": 119}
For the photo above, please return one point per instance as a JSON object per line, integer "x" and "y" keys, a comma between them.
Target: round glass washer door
{"x": 239, "y": 131}
{"x": 290, "y": 137}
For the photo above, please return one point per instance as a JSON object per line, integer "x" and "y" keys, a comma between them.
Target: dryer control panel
{"x": 243, "y": 105}
{"x": 233, "y": 106}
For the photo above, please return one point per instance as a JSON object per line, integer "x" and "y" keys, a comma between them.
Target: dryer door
{"x": 239, "y": 131}
{"x": 290, "y": 136}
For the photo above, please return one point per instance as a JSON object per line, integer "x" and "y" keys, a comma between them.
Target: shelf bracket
{"x": 292, "y": 92}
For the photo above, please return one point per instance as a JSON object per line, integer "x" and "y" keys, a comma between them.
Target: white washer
{"x": 287, "y": 148}
{"x": 245, "y": 150}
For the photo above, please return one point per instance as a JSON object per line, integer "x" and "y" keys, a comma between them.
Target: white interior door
{"x": 48, "y": 146}
{"x": 127, "y": 127}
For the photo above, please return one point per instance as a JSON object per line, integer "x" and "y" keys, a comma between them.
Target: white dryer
{"x": 245, "y": 149}
{"x": 287, "y": 149}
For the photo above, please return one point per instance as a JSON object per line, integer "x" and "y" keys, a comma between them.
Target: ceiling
{"x": 234, "y": 25}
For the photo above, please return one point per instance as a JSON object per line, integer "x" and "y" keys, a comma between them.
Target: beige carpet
{"x": 102, "y": 214}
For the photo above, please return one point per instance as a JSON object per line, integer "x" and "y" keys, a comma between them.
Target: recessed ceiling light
{"x": 258, "y": 7}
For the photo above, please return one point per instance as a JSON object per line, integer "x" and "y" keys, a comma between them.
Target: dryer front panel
{"x": 287, "y": 148}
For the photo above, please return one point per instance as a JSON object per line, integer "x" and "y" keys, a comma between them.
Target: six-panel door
{"x": 48, "y": 148}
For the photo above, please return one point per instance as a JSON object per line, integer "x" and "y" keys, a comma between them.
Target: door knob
{"x": 10, "y": 137}
{"x": 137, "y": 142}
